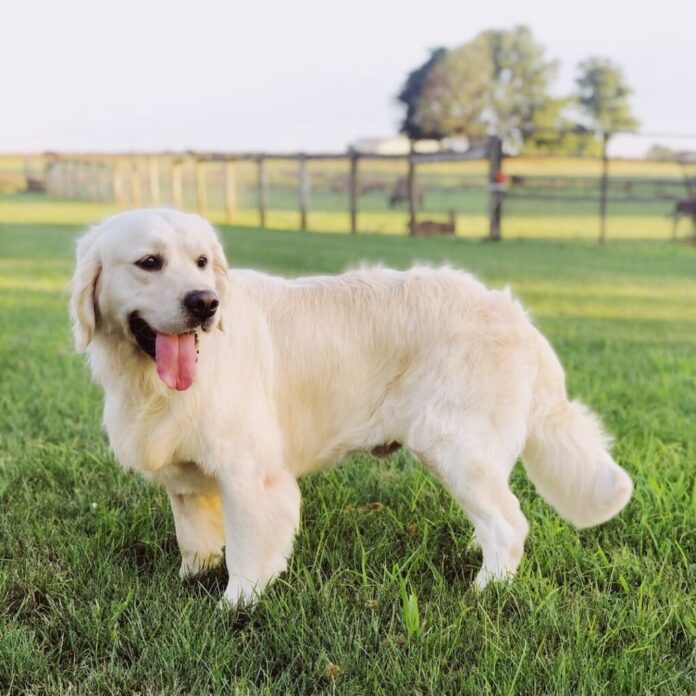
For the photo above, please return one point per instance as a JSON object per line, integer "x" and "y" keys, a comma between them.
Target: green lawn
{"x": 378, "y": 598}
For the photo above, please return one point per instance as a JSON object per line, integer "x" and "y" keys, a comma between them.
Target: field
{"x": 378, "y": 597}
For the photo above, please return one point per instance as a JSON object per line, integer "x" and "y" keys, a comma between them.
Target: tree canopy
{"x": 499, "y": 82}
{"x": 495, "y": 83}
{"x": 411, "y": 91}
{"x": 603, "y": 96}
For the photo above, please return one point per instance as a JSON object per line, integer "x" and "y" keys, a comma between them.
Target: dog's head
{"x": 154, "y": 278}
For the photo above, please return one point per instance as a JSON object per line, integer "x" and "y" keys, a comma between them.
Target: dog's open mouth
{"x": 174, "y": 354}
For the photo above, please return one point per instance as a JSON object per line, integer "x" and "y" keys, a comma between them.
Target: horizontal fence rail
{"x": 482, "y": 192}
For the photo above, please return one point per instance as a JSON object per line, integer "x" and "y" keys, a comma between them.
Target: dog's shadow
{"x": 208, "y": 584}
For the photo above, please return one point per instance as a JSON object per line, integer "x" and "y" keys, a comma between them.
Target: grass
{"x": 378, "y": 597}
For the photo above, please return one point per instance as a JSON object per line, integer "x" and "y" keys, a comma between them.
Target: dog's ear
{"x": 83, "y": 303}
{"x": 222, "y": 276}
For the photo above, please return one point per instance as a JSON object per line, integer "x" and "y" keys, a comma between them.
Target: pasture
{"x": 379, "y": 597}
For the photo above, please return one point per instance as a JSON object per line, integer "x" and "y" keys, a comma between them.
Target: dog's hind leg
{"x": 199, "y": 531}
{"x": 476, "y": 474}
{"x": 261, "y": 509}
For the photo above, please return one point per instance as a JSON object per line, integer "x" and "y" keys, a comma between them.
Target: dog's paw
{"x": 482, "y": 579}
{"x": 487, "y": 577}
{"x": 194, "y": 563}
{"x": 240, "y": 592}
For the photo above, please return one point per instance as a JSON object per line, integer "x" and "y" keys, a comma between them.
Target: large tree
{"x": 411, "y": 91}
{"x": 603, "y": 96}
{"x": 495, "y": 83}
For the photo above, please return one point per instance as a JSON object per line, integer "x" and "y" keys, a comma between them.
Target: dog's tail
{"x": 567, "y": 451}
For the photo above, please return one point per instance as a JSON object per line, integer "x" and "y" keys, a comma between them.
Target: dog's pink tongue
{"x": 175, "y": 356}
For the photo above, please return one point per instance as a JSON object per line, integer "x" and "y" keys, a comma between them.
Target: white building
{"x": 400, "y": 145}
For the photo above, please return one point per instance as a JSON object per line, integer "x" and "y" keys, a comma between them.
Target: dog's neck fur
{"x": 151, "y": 427}
{"x": 135, "y": 403}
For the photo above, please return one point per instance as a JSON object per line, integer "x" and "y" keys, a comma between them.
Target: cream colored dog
{"x": 225, "y": 387}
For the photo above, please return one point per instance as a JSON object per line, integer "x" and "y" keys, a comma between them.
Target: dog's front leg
{"x": 261, "y": 509}
{"x": 199, "y": 531}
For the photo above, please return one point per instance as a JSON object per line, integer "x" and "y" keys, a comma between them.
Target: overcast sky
{"x": 293, "y": 74}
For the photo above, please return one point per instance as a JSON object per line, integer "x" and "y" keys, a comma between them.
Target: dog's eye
{"x": 202, "y": 261}
{"x": 150, "y": 263}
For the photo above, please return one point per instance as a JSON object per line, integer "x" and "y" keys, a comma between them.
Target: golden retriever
{"x": 225, "y": 387}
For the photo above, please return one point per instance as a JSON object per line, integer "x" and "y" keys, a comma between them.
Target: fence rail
{"x": 119, "y": 178}
{"x": 432, "y": 193}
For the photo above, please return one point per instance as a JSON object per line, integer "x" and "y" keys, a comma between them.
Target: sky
{"x": 285, "y": 75}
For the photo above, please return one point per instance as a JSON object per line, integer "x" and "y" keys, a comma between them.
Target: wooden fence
{"x": 351, "y": 190}
{"x": 130, "y": 180}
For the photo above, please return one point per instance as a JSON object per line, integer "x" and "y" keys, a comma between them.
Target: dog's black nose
{"x": 202, "y": 304}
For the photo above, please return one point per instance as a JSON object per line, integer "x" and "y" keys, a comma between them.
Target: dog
{"x": 225, "y": 387}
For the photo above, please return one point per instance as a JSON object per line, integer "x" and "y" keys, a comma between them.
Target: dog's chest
{"x": 153, "y": 436}
{"x": 184, "y": 478}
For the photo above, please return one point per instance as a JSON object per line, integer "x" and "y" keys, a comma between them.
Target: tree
{"x": 453, "y": 95}
{"x": 661, "y": 153}
{"x": 493, "y": 84}
{"x": 603, "y": 96}
{"x": 411, "y": 91}
{"x": 554, "y": 131}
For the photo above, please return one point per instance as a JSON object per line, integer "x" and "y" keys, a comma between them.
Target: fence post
{"x": 72, "y": 179}
{"x": 94, "y": 180}
{"x": 230, "y": 191}
{"x": 78, "y": 180}
{"x": 54, "y": 178}
{"x": 97, "y": 181}
{"x": 105, "y": 192}
{"x": 495, "y": 187}
{"x": 99, "y": 192}
{"x": 201, "y": 189}
{"x": 411, "y": 184}
{"x": 64, "y": 179}
{"x": 603, "y": 186}
{"x": 118, "y": 183}
{"x": 49, "y": 177}
{"x": 262, "y": 190}
{"x": 27, "y": 173}
{"x": 84, "y": 180}
{"x": 81, "y": 177}
{"x": 87, "y": 180}
{"x": 136, "y": 192}
{"x": 303, "y": 191}
{"x": 90, "y": 181}
{"x": 353, "y": 192}
{"x": 66, "y": 182}
{"x": 88, "y": 174}
{"x": 177, "y": 185}
{"x": 153, "y": 171}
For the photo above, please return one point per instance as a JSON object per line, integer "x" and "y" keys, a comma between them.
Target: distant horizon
{"x": 623, "y": 145}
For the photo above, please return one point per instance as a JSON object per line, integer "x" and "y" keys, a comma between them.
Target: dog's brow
{"x": 149, "y": 245}
{"x": 147, "y": 251}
